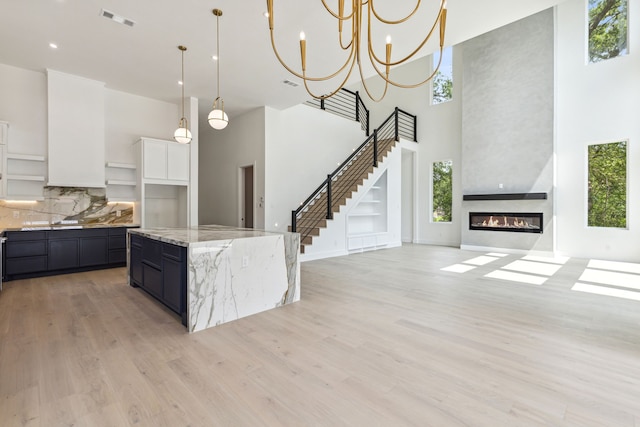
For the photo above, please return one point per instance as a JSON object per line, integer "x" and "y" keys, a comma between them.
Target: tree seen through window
{"x": 607, "y": 185}
{"x": 607, "y": 29}
{"x": 442, "y": 191}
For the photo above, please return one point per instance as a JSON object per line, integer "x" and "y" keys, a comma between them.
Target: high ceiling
{"x": 144, "y": 59}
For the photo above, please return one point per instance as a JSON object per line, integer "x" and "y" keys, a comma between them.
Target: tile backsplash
{"x": 65, "y": 205}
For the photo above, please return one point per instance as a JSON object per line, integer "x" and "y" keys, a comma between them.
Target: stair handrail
{"x": 345, "y": 103}
{"x": 398, "y": 131}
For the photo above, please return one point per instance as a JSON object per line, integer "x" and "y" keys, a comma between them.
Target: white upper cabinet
{"x": 76, "y": 126}
{"x": 164, "y": 160}
{"x": 178, "y": 161}
{"x": 4, "y": 133}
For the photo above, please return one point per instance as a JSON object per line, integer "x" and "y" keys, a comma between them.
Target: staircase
{"x": 333, "y": 193}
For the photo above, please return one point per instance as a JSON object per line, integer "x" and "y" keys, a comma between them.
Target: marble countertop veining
{"x": 44, "y": 227}
{"x": 201, "y": 234}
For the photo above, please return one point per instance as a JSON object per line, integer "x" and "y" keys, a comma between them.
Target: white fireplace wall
{"x": 507, "y": 128}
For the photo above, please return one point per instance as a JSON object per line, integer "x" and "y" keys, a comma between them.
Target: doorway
{"x": 246, "y": 197}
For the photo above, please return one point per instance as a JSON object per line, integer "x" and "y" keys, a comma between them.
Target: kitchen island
{"x": 213, "y": 274}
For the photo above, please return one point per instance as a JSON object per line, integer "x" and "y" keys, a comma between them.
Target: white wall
{"x": 595, "y": 103}
{"x": 303, "y": 145}
{"x": 129, "y": 117}
{"x": 222, "y": 154}
{"x": 439, "y": 136}
{"x": 23, "y": 103}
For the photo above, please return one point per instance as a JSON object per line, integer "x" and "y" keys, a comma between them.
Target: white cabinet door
{"x": 3, "y": 175}
{"x": 178, "y": 162}
{"x": 155, "y": 159}
{"x": 4, "y": 133}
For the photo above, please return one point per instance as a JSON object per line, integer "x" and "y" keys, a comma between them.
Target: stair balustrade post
{"x": 293, "y": 221}
{"x": 415, "y": 128}
{"x": 357, "y": 107}
{"x": 367, "y": 122}
{"x": 322, "y": 103}
{"x": 396, "y": 125}
{"x": 375, "y": 148}
{"x": 329, "y": 210}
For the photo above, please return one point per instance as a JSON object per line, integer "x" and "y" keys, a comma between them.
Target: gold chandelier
{"x": 355, "y": 17}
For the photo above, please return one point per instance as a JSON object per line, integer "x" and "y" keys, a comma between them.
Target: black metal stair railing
{"x": 333, "y": 192}
{"x": 347, "y": 104}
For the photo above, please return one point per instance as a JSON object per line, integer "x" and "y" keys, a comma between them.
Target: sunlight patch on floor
{"x": 533, "y": 267}
{"x": 480, "y": 260}
{"x": 458, "y": 268}
{"x": 603, "y": 290}
{"x": 612, "y": 278}
{"x": 626, "y": 267}
{"x": 516, "y": 277}
{"x": 551, "y": 260}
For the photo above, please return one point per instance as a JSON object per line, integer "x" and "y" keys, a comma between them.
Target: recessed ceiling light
{"x": 266, "y": 14}
{"x": 214, "y": 57}
{"x": 180, "y": 82}
{"x": 53, "y": 45}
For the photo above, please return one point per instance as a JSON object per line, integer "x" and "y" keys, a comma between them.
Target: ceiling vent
{"x": 290, "y": 83}
{"x": 117, "y": 18}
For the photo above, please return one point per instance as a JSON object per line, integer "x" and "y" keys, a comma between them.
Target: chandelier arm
{"x": 306, "y": 86}
{"x": 400, "y": 21}
{"x": 412, "y": 54}
{"x": 335, "y": 15}
{"x": 301, "y": 76}
{"x": 353, "y": 32}
{"x": 366, "y": 88}
{"x": 411, "y": 86}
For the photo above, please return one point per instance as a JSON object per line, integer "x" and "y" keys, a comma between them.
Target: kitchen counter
{"x": 231, "y": 272}
{"x": 40, "y": 227}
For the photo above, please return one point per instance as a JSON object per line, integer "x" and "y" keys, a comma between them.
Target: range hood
{"x": 76, "y": 148}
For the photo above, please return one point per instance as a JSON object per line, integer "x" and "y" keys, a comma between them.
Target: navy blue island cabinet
{"x": 160, "y": 269}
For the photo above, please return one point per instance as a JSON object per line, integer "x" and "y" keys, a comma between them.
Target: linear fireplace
{"x": 500, "y": 221}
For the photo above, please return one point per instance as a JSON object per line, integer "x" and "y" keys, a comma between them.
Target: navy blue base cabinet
{"x": 161, "y": 270}
{"x": 36, "y": 253}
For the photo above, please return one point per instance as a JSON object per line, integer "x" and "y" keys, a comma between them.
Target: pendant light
{"x": 218, "y": 119}
{"x": 182, "y": 134}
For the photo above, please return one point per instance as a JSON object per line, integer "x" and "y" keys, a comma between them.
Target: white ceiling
{"x": 144, "y": 60}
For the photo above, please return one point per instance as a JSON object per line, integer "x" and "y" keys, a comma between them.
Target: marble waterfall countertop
{"x": 201, "y": 234}
{"x": 234, "y": 272}
{"x": 59, "y": 226}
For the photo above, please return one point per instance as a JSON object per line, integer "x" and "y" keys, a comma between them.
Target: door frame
{"x": 240, "y": 194}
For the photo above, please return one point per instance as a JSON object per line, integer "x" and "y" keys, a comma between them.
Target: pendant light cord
{"x": 218, "y": 52}
{"x": 182, "y": 83}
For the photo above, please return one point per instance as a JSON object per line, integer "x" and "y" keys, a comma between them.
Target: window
{"x": 607, "y": 185}
{"x": 442, "y": 191}
{"x": 607, "y": 30}
{"x": 442, "y": 83}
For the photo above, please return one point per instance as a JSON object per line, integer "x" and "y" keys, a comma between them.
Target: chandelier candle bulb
{"x": 443, "y": 24}
{"x": 303, "y": 50}
{"x": 388, "y": 66}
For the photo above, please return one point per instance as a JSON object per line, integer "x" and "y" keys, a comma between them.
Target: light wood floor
{"x": 382, "y": 338}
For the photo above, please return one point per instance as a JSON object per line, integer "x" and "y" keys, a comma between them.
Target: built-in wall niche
{"x": 25, "y": 176}
{"x": 165, "y": 206}
{"x": 367, "y": 221}
{"x": 121, "y": 182}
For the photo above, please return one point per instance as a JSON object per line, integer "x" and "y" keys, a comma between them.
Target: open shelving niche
{"x": 367, "y": 226}
{"x": 25, "y": 176}
{"x": 121, "y": 182}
